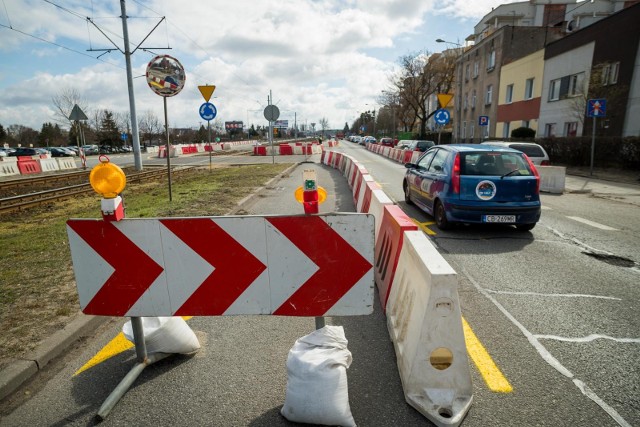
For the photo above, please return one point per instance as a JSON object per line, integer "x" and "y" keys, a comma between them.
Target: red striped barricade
{"x": 285, "y": 150}
{"x": 425, "y": 325}
{"x": 406, "y": 156}
{"x": 260, "y": 150}
{"x": 388, "y": 245}
{"x": 368, "y": 194}
{"x": 359, "y": 200}
{"x": 360, "y": 172}
{"x": 379, "y": 200}
{"x": 27, "y": 165}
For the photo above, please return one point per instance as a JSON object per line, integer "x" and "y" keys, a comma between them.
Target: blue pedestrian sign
{"x": 597, "y": 107}
{"x": 442, "y": 116}
{"x": 123, "y": 136}
{"x": 483, "y": 121}
{"x": 208, "y": 111}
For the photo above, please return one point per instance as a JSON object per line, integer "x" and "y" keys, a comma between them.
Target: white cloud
{"x": 315, "y": 56}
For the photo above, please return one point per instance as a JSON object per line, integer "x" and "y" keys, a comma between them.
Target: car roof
{"x": 468, "y": 148}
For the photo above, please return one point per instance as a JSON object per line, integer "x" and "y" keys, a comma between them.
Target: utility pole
{"x": 137, "y": 157}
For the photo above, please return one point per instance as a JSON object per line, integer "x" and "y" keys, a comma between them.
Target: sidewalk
{"x": 622, "y": 186}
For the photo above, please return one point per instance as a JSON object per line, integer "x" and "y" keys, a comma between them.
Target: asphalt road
{"x": 556, "y": 310}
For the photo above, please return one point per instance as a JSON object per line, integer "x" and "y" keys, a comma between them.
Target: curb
{"x": 21, "y": 370}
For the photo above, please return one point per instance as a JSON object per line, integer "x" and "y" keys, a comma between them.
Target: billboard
{"x": 233, "y": 125}
{"x": 283, "y": 124}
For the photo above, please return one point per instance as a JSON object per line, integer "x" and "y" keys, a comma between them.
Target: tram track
{"x": 30, "y": 200}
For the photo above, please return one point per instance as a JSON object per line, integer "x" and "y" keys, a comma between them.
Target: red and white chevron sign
{"x": 317, "y": 265}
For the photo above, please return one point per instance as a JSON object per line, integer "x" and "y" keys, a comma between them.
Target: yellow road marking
{"x": 488, "y": 369}
{"x": 423, "y": 226}
{"x": 115, "y": 347}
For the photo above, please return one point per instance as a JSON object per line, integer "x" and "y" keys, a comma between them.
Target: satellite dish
{"x": 571, "y": 25}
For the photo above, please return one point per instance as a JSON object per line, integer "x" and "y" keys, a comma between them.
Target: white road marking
{"x": 552, "y": 295}
{"x": 548, "y": 357}
{"x": 546, "y": 208}
{"x": 589, "y": 338}
{"x": 591, "y": 223}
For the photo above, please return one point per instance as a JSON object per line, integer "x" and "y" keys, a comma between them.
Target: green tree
{"x": 108, "y": 133}
{"x": 3, "y": 134}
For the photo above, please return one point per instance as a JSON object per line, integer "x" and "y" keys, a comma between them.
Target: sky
{"x": 320, "y": 59}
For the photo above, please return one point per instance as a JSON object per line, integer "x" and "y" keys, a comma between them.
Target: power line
{"x": 57, "y": 44}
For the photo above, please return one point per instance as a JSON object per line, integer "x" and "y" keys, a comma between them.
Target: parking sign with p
{"x": 483, "y": 120}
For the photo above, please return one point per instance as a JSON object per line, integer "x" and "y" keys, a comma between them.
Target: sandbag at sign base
{"x": 165, "y": 335}
{"x": 317, "y": 390}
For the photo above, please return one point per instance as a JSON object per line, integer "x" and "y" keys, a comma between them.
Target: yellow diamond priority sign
{"x": 444, "y": 99}
{"x": 207, "y": 91}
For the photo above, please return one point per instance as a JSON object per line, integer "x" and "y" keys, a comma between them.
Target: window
{"x": 525, "y": 123}
{"x": 437, "y": 165}
{"x": 505, "y": 130}
{"x": 473, "y": 100}
{"x": 466, "y": 72}
{"x": 491, "y": 60}
{"x": 566, "y": 87}
{"x": 550, "y": 130}
{"x": 424, "y": 162}
{"x": 554, "y": 90}
{"x": 471, "y": 131}
{"x": 464, "y": 130}
{"x": 476, "y": 69}
{"x": 466, "y": 100}
{"x": 509, "y": 94}
{"x": 571, "y": 128}
{"x": 610, "y": 73}
{"x": 489, "y": 95}
{"x": 528, "y": 89}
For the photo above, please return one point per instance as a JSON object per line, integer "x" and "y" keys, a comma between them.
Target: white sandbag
{"x": 165, "y": 335}
{"x": 317, "y": 390}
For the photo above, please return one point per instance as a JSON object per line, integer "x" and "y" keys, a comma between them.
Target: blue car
{"x": 472, "y": 183}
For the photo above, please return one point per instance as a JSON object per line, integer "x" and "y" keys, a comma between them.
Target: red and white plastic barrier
{"x": 418, "y": 291}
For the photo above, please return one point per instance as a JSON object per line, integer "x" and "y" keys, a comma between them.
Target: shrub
{"x": 523, "y": 132}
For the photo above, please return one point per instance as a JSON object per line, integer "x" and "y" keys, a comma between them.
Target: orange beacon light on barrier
{"x": 310, "y": 195}
{"x": 108, "y": 180}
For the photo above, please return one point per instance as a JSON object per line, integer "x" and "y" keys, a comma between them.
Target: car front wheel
{"x": 441, "y": 216}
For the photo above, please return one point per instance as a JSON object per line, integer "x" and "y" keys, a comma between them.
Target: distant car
{"x": 535, "y": 151}
{"x": 61, "y": 152}
{"x": 369, "y": 139}
{"x": 420, "y": 145}
{"x": 90, "y": 149}
{"x": 474, "y": 183}
{"x": 388, "y": 142}
{"x": 404, "y": 144}
{"x": 3, "y": 152}
{"x": 27, "y": 151}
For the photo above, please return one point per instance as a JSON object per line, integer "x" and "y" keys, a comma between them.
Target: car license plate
{"x": 499, "y": 218}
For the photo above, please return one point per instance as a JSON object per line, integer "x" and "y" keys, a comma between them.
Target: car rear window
{"x": 529, "y": 150}
{"x": 492, "y": 163}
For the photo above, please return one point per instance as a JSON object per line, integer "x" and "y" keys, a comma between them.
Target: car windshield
{"x": 493, "y": 163}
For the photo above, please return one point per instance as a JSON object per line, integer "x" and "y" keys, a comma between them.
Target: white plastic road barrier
{"x": 48, "y": 165}
{"x": 552, "y": 178}
{"x": 425, "y": 325}
{"x": 9, "y": 166}
{"x": 65, "y": 163}
{"x": 379, "y": 200}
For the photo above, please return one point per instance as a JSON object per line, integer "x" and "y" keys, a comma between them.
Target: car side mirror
{"x": 410, "y": 165}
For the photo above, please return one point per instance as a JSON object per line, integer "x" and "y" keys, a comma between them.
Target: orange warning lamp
{"x": 310, "y": 195}
{"x": 108, "y": 180}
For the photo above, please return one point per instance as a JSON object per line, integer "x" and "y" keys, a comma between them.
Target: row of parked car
{"x": 404, "y": 144}
{"x": 70, "y": 151}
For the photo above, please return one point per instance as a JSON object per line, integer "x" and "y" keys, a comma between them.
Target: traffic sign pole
{"x": 593, "y": 145}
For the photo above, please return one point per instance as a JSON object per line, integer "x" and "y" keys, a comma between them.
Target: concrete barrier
{"x": 48, "y": 165}
{"x": 425, "y": 325}
{"x": 9, "y": 166}
{"x": 552, "y": 178}
{"x": 66, "y": 163}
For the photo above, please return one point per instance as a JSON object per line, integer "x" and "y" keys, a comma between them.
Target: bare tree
{"x": 421, "y": 76}
{"x": 150, "y": 128}
{"x": 64, "y": 102}
{"x": 324, "y": 125}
